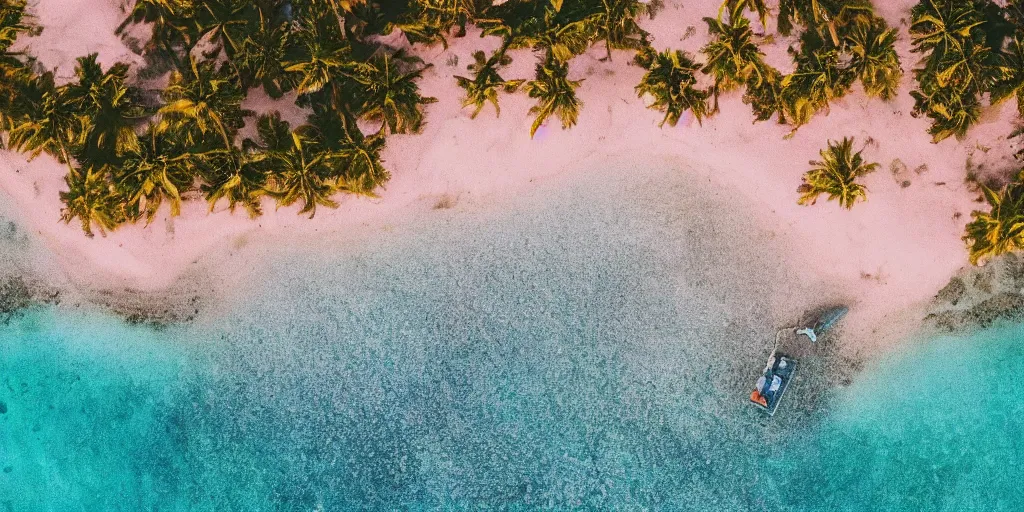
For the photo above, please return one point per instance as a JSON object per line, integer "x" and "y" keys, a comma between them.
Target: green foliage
{"x": 51, "y": 123}
{"x": 827, "y": 18}
{"x": 327, "y": 52}
{"x": 157, "y": 173}
{"x": 16, "y": 78}
{"x": 958, "y": 67}
{"x": 1001, "y": 229}
{"x": 170, "y": 25}
{"x": 92, "y": 200}
{"x": 733, "y": 59}
{"x": 765, "y": 95}
{"x": 671, "y": 82}
{"x": 427, "y": 21}
{"x": 843, "y": 42}
{"x": 875, "y": 62}
{"x": 836, "y": 175}
{"x": 555, "y": 95}
{"x": 225, "y": 22}
{"x": 202, "y": 100}
{"x": 361, "y": 170}
{"x": 616, "y": 22}
{"x": 110, "y": 110}
{"x": 1010, "y": 79}
{"x": 390, "y": 95}
{"x": 13, "y": 22}
{"x": 735, "y": 7}
{"x": 15, "y": 81}
{"x": 819, "y": 78}
{"x": 319, "y": 56}
{"x": 260, "y": 60}
{"x": 303, "y": 170}
{"x": 486, "y": 82}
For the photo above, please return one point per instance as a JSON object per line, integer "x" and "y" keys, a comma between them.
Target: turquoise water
{"x": 589, "y": 348}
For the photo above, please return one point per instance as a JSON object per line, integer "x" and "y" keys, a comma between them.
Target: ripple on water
{"x": 590, "y": 348}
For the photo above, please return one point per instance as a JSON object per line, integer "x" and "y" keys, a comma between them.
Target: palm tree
{"x": 390, "y": 95}
{"x": 555, "y": 94}
{"x": 950, "y": 96}
{"x": 952, "y": 113}
{"x": 158, "y": 173}
{"x": 304, "y": 171}
{"x": 836, "y": 175}
{"x": 875, "y": 60}
{"x": 824, "y": 16}
{"x": 170, "y": 21}
{"x": 235, "y": 176}
{"x": 318, "y": 58}
{"x": 1001, "y": 229}
{"x": 52, "y": 124}
{"x": 486, "y": 82}
{"x": 560, "y": 39}
{"x": 819, "y": 78}
{"x": 242, "y": 178}
{"x": 261, "y": 56}
{"x": 733, "y": 58}
{"x": 736, "y": 6}
{"x": 13, "y": 22}
{"x": 764, "y": 95}
{"x": 358, "y": 166}
{"x": 161, "y": 13}
{"x": 427, "y": 21}
{"x": 203, "y": 100}
{"x": 364, "y": 170}
{"x": 13, "y": 73}
{"x": 670, "y": 80}
{"x": 942, "y": 26}
{"x": 224, "y": 22}
{"x": 1010, "y": 81}
{"x": 111, "y": 110}
{"x": 15, "y": 76}
{"x": 15, "y": 80}
{"x": 91, "y": 199}
{"x": 616, "y": 22}
{"x": 958, "y": 68}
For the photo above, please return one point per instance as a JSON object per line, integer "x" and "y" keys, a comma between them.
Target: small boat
{"x": 773, "y": 382}
{"x": 826, "y": 320}
{"x": 781, "y": 368}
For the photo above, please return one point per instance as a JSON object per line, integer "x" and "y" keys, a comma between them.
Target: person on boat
{"x": 776, "y": 384}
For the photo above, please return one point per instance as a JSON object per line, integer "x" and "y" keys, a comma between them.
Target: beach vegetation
{"x": 131, "y": 151}
{"x": 556, "y": 32}
{"x": 389, "y": 94}
{"x": 1000, "y": 229}
{"x": 555, "y": 95}
{"x": 486, "y": 83}
{"x": 837, "y": 175}
{"x": 92, "y": 200}
{"x": 671, "y": 83}
{"x": 129, "y": 154}
{"x": 960, "y": 63}
{"x": 732, "y": 57}
{"x": 758, "y": 7}
{"x": 841, "y": 43}
{"x": 872, "y": 46}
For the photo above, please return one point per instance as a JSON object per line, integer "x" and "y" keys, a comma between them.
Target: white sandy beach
{"x": 888, "y": 255}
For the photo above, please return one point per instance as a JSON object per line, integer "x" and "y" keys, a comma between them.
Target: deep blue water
{"x": 589, "y": 348}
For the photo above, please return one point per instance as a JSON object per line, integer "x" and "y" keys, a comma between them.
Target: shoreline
{"x": 890, "y": 254}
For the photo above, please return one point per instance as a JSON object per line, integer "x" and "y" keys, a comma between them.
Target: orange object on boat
{"x": 756, "y": 397}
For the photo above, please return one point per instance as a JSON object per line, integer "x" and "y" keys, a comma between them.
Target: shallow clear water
{"x": 589, "y": 348}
